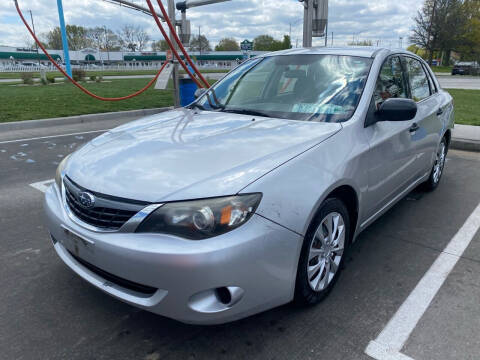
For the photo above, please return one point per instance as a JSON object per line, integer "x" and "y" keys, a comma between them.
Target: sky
{"x": 381, "y": 21}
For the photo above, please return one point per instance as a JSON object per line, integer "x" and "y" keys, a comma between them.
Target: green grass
{"x": 442, "y": 69}
{"x": 105, "y": 73}
{"x": 467, "y": 106}
{"x": 64, "y": 99}
{"x": 58, "y": 100}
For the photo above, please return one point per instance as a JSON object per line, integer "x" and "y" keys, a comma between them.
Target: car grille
{"x": 109, "y": 213}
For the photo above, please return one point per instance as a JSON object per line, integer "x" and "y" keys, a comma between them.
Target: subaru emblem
{"x": 86, "y": 199}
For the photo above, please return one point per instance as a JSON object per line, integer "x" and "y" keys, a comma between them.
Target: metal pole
{"x": 175, "y": 73}
{"x": 326, "y": 34}
{"x": 34, "y": 32}
{"x": 309, "y": 27}
{"x": 63, "y": 30}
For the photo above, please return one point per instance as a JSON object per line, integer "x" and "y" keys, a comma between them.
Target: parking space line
{"x": 42, "y": 185}
{"x": 53, "y": 136}
{"x": 389, "y": 343}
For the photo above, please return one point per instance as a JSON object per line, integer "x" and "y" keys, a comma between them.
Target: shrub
{"x": 93, "y": 78}
{"x": 78, "y": 74}
{"x": 99, "y": 79}
{"x": 51, "y": 79}
{"x": 27, "y": 78}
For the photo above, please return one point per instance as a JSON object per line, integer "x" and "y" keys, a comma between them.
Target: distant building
{"x": 18, "y": 55}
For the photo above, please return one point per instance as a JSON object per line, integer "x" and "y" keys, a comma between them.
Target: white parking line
{"x": 42, "y": 185}
{"x": 53, "y": 136}
{"x": 389, "y": 343}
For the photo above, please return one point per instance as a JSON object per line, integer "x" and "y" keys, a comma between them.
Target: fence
{"x": 120, "y": 67}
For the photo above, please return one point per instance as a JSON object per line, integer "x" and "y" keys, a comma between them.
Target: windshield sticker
{"x": 327, "y": 109}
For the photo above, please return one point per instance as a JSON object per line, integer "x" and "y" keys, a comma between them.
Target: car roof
{"x": 361, "y": 51}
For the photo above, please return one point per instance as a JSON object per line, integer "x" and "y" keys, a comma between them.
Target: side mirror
{"x": 397, "y": 109}
{"x": 199, "y": 92}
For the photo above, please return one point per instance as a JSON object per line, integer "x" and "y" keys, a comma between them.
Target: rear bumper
{"x": 256, "y": 262}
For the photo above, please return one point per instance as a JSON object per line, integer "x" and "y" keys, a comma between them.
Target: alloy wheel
{"x": 326, "y": 251}
{"x": 439, "y": 163}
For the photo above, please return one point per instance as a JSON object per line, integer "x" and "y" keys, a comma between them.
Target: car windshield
{"x": 325, "y": 88}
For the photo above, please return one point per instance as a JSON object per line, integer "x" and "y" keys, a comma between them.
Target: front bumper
{"x": 257, "y": 261}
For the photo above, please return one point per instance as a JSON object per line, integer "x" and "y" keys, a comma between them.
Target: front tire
{"x": 323, "y": 253}
{"x": 438, "y": 167}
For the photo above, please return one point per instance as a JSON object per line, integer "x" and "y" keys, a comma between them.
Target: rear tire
{"x": 323, "y": 253}
{"x": 438, "y": 167}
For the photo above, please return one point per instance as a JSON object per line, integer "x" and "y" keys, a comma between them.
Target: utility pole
{"x": 175, "y": 73}
{"x": 34, "y": 32}
{"x": 66, "y": 53}
{"x": 199, "y": 42}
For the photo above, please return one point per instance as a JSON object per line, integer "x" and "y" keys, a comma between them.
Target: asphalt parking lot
{"x": 47, "y": 312}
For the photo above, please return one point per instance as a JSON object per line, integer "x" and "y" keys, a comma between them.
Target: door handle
{"x": 439, "y": 112}
{"x": 414, "y": 128}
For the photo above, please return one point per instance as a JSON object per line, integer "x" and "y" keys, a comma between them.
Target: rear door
{"x": 423, "y": 91}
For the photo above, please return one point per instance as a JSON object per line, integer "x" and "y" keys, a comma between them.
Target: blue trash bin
{"x": 187, "y": 91}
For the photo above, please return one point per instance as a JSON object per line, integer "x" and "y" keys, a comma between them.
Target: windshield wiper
{"x": 198, "y": 106}
{"x": 246, "y": 112}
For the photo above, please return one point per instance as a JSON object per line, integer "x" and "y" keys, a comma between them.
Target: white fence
{"x": 119, "y": 67}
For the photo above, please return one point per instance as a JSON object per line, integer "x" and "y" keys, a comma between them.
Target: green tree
{"x": 263, "y": 43}
{"x": 268, "y": 43}
{"x": 227, "y": 44}
{"x": 438, "y": 27}
{"x": 470, "y": 40}
{"x": 200, "y": 43}
{"x": 76, "y": 37}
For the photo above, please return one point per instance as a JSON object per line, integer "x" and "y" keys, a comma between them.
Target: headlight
{"x": 58, "y": 174}
{"x": 201, "y": 219}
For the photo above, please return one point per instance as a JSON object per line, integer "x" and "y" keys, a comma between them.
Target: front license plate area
{"x": 77, "y": 244}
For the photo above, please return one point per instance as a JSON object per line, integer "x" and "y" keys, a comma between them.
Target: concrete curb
{"x": 466, "y": 145}
{"x": 466, "y": 137}
{"x": 80, "y": 119}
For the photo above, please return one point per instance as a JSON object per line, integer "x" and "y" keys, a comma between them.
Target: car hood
{"x": 182, "y": 154}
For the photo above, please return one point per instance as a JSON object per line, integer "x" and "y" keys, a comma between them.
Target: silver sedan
{"x": 250, "y": 197}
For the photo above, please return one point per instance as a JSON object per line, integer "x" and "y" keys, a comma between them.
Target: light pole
{"x": 66, "y": 53}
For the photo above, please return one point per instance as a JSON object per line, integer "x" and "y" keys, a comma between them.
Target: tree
{"x": 200, "y": 43}
{"x": 438, "y": 27}
{"x": 263, "y": 43}
{"x": 160, "y": 45}
{"x": 361, "y": 43}
{"x": 227, "y": 44}
{"x": 268, "y": 43}
{"x": 133, "y": 38}
{"x": 103, "y": 39}
{"x": 76, "y": 37}
{"x": 470, "y": 40}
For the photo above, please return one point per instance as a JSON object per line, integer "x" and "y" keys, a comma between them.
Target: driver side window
{"x": 390, "y": 82}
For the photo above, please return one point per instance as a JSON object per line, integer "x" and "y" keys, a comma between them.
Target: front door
{"x": 392, "y": 157}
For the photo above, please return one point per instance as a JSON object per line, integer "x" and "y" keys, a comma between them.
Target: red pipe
{"x": 172, "y": 29}
{"x": 76, "y": 83}
{"x": 175, "y": 52}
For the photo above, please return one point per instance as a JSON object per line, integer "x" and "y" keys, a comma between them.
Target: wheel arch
{"x": 349, "y": 196}
{"x": 448, "y": 137}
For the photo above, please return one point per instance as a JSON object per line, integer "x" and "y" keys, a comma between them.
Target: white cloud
{"x": 376, "y": 20}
